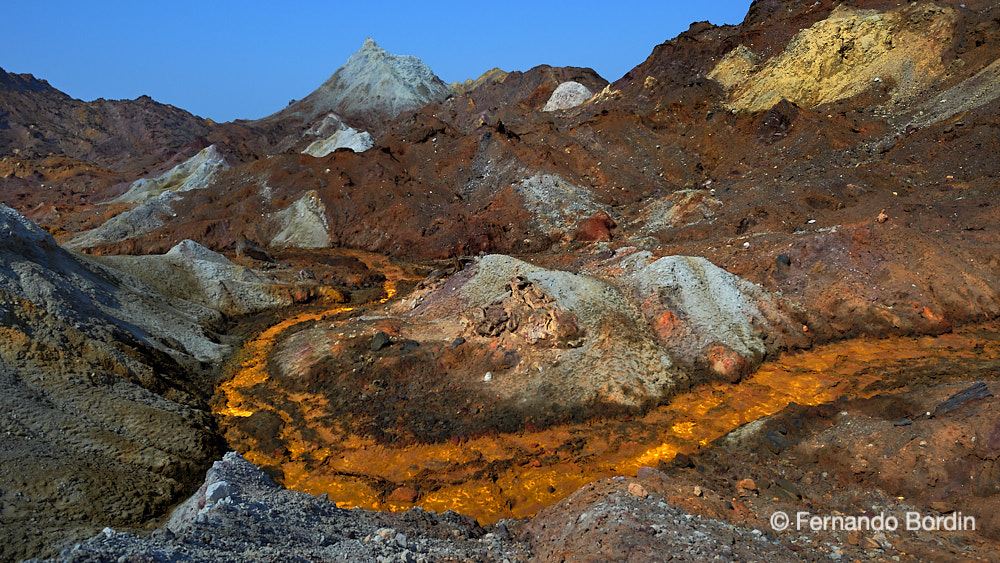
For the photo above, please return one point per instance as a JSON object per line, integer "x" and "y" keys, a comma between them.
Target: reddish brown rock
{"x": 596, "y": 228}
{"x": 404, "y": 494}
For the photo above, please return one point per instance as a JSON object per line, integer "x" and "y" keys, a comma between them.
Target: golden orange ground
{"x": 515, "y": 475}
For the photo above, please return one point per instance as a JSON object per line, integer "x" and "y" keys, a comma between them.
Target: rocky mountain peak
{"x": 371, "y": 86}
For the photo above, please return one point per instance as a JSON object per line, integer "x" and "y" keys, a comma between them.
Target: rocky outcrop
{"x": 335, "y": 134}
{"x": 154, "y": 197}
{"x": 195, "y": 173}
{"x": 848, "y": 53}
{"x": 491, "y": 76}
{"x": 303, "y": 224}
{"x": 710, "y": 320}
{"x": 567, "y": 95}
{"x": 558, "y": 206}
{"x": 104, "y": 419}
{"x": 193, "y": 273}
{"x": 248, "y": 516}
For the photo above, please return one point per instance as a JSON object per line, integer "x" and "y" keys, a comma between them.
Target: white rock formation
{"x": 337, "y": 134}
{"x": 195, "y": 173}
{"x": 568, "y": 95}
{"x": 303, "y": 224}
{"x": 372, "y": 80}
{"x": 154, "y": 196}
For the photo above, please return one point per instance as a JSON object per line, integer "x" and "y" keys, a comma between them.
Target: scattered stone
{"x": 745, "y": 487}
{"x": 250, "y": 249}
{"x": 697, "y": 491}
{"x": 637, "y": 490}
{"x": 881, "y": 540}
{"x": 404, "y": 494}
{"x": 789, "y": 489}
{"x": 596, "y": 228}
{"x": 488, "y": 376}
{"x": 217, "y": 491}
{"x": 649, "y": 472}
{"x": 775, "y": 442}
{"x": 942, "y": 507}
{"x": 379, "y": 341}
{"x": 683, "y": 461}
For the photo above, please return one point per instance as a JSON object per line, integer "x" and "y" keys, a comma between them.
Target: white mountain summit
{"x": 372, "y": 84}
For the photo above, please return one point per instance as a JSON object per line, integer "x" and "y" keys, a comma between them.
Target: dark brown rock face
{"x": 37, "y": 120}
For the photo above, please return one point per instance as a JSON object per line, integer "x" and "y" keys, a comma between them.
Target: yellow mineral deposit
{"x": 515, "y": 475}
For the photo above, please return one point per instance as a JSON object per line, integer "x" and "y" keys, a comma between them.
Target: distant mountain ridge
{"x": 36, "y": 119}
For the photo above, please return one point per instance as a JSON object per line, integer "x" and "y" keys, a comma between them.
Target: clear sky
{"x": 227, "y": 60}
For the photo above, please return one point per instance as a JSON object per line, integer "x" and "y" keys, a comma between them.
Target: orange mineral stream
{"x": 515, "y": 475}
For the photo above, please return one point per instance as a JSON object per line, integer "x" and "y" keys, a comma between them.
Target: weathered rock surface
{"x": 848, "y": 53}
{"x": 195, "y": 173}
{"x": 192, "y": 273}
{"x": 371, "y": 85}
{"x": 567, "y": 95}
{"x": 335, "y": 134}
{"x": 104, "y": 421}
{"x": 303, "y": 224}
{"x": 239, "y": 513}
{"x": 154, "y": 197}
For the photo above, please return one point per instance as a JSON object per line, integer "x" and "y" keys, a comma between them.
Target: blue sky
{"x": 227, "y": 60}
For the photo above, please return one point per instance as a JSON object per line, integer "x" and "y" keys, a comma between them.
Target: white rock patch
{"x": 568, "y": 95}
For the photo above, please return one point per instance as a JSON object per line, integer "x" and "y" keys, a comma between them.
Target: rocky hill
{"x": 39, "y": 120}
{"x": 371, "y": 86}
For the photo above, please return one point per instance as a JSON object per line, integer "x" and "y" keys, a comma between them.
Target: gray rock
{"x": 379, "y": 341}
{"x": 217, "y": 491}
{"x": 568, "y": 95}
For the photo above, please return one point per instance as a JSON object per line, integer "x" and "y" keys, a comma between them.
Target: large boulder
{"x": 568, "y": 95}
